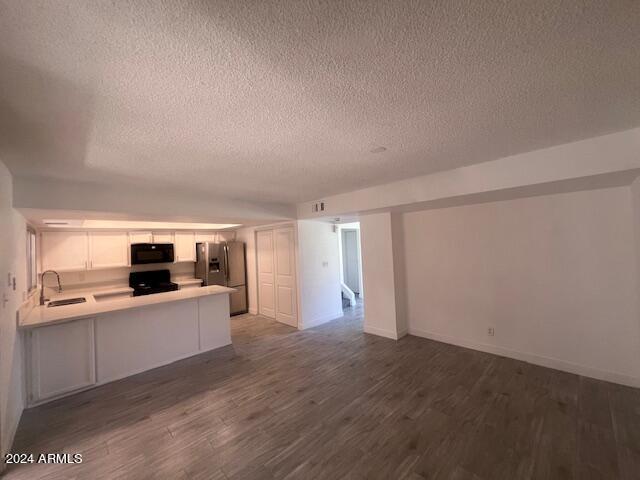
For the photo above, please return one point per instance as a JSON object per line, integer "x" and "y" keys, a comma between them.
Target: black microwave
{"x": 142, "y": 253}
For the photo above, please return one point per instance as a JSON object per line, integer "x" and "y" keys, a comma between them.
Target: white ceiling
{"x": 284, "y": 100}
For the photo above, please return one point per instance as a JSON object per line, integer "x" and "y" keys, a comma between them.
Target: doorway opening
{"x": 350, "y": 266}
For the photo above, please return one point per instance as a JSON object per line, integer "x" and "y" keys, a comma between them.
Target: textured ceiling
{"x": 285, "y": 100}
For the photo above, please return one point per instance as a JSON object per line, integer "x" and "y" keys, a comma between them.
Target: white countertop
{"x": 43, "y": 315}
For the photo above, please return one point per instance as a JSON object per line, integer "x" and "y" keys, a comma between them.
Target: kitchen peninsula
{"x": 74, "y": 347}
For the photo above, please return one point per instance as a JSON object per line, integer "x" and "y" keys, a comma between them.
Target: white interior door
{"x": 266, "y": 274}
{"x": 286, "y": 311}
{"x": 351, "y": 260}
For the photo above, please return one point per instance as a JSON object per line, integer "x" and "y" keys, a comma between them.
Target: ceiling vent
{"x": 56, "y": 223}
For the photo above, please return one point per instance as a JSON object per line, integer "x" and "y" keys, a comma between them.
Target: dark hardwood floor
{"x": 333, "y": 402}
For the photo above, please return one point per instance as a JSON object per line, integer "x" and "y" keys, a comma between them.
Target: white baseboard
{"x": 533, "y": 358}
{"x": 314, "y": 322}
{"x": 253, "y": 311}
{"x": 382, "y": 332}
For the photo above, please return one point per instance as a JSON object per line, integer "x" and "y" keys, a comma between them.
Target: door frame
{"x": 341, "y": 256}
{"x": 296, "y": 259}
{"x": 359, "y": 255}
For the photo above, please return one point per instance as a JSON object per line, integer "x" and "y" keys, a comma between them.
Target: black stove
{"x": 155, "y": 281}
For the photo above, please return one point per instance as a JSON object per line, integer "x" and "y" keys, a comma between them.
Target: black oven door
{"x": 143, "y": 253}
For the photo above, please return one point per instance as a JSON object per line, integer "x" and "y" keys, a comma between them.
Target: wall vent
{"x": 317, "y": 207}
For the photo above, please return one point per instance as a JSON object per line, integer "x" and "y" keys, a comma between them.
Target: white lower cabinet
{"x": 69, "y": 357}
{"x": 61, "y": 358}
{"x": 213, "y": 332}
{"x": 132, "y": 341}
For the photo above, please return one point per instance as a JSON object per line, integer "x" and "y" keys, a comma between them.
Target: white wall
{"x": 399, "y": 274}
{"x": 578, "y": 165}
{"x": 556, "y": 276}
{"x": 318, "y": 273}
{"x": 12, "y": 260}
{"x": 142, "y": 202}
{"x": 379, "y": 277}
{"x": 116, "y": 276}
{"x": 635, "y": 199}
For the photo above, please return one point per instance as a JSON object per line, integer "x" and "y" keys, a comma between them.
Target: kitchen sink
{"x": 66, "y": 301}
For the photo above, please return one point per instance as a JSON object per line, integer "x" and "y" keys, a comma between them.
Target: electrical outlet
{"x": 491, "y": 331}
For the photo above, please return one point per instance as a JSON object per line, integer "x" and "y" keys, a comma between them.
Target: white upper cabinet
{"x": 73, "y": 251}
{"x": 205, "y": 237}
{"x": 163, "y": 237}
{"x": 227, "y": 236}
{"x": 185, "y": 247}
{"x": 108, "y": 250}
{"x": 140, "y": 237}
{"x": 64, "y": 251}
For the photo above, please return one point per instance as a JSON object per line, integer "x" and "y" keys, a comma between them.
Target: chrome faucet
{"x": 42, "y": 299}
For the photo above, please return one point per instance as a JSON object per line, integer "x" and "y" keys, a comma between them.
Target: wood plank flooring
{"x": 333, "y": 402}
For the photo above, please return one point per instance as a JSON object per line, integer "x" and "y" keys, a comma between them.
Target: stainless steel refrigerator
{"x": 224, "y": 264}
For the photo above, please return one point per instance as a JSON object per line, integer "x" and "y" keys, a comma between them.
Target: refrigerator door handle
{"x": 226, "y": 262}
